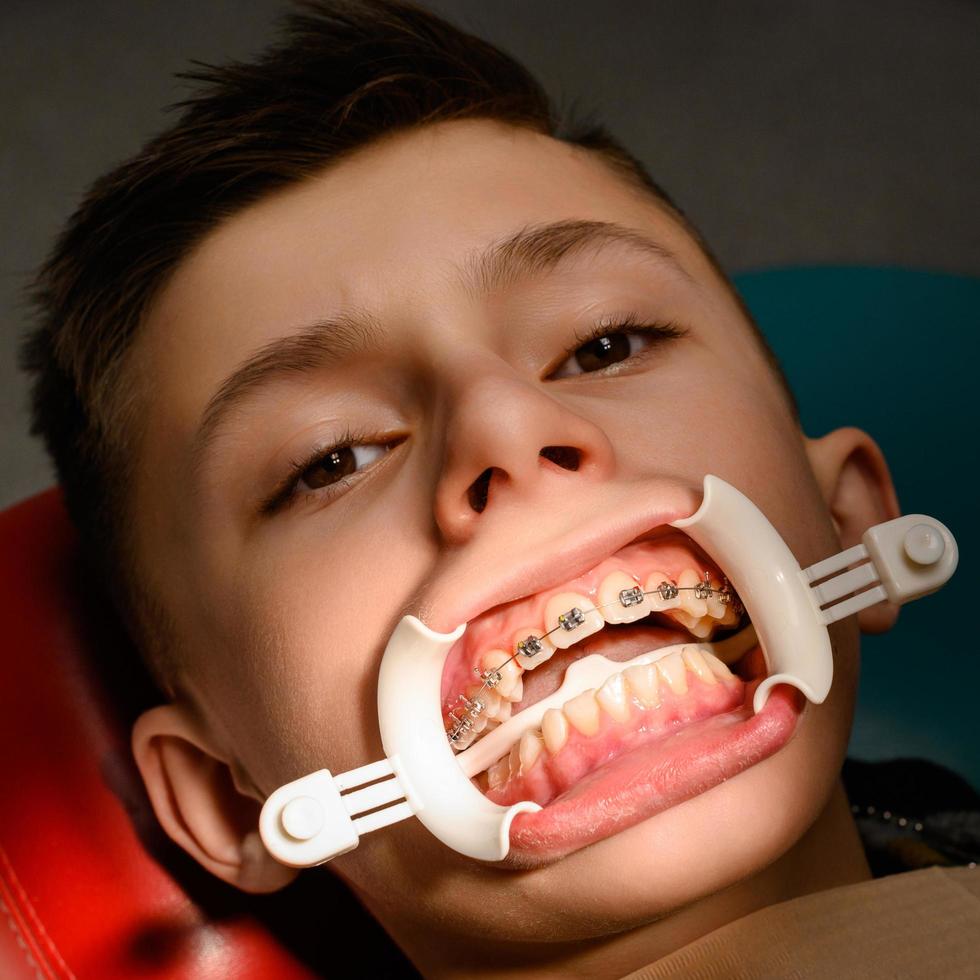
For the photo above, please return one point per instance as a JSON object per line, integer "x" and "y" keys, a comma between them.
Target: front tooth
{"x": 644, "y": 683}
{"x": 613, "y": 610}
{"x": 583, "y": 712}
{"x": 672, "y": 671}
{"x": 559, "y": 605}
{"x": 657, "y": 603}
{"x": 554, "y": 728}
{"x": 718, "y": 667}
{"x": 694, "y": 606}
{"x": 529, "y": 748}
{"x": 547, "y": 651}
{"x": 696, "y": 663}
{"x": 612, "y": 696}
{"x": 510, "y": 673}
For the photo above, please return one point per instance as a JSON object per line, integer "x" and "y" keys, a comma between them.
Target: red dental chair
{"x": 89, "y": 886}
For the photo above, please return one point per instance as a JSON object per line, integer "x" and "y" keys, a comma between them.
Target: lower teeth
{"x": 636, "y": 687}
{"x": 609, "y": 689}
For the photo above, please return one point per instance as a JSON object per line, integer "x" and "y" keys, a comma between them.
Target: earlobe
{"x": 197, "y": 801}
{"x": 857, "y": 486}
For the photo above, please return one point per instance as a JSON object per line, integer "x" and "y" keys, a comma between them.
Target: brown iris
{"x": 603, "y": 351}
{"x": 330, "y": 468}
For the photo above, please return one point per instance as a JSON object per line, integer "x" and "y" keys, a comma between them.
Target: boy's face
{"x": 283, "y": 594}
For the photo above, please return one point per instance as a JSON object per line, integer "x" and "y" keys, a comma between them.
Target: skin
{"x": 280, "y": 619}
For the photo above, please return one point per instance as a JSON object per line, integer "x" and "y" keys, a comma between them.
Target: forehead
{"x": 382, "y": 230}
{"x": 419, "y": 196}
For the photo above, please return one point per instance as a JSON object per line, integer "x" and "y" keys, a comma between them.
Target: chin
{"x": 715, "y": 838}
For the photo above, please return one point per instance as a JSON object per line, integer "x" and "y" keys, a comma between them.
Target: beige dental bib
{"x": 315, "y": 818}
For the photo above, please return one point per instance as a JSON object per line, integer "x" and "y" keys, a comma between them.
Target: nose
{"x": 510, "y": 442}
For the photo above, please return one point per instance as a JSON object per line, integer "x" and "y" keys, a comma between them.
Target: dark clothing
{"x": 913, "y": 814}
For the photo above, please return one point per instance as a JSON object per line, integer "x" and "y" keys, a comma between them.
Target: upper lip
{"x": 573, "y": 555}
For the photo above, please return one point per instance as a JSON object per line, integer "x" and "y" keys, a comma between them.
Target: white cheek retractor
{"x": 321, "y": 815}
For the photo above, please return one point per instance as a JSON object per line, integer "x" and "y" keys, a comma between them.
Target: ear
{"x": 857, "y": 486}
{"x": 199, "y": 802}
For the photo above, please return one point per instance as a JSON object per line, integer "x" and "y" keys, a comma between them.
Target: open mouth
{"x": 653, "y": 688}
{"x": 642, "y": 704}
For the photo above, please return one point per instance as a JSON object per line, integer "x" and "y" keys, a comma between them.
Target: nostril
{"x": 567, "y": 457}
{"x": 479, "y": 491}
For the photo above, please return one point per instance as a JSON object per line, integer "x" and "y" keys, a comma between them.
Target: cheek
{"x": 700, "y": 413}
{"x": 727, "y": 427}
{"x": 303, "y": 638}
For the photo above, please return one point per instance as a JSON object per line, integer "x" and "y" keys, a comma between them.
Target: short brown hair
{"x": 342, "y": 73}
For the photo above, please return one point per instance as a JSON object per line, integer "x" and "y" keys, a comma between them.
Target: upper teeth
{"x": 691, "y": 602}
{"x": 668, "y": 598}
{"x": 569, "y": 618}
{"x": 508, "y": 674}
{"x": 613, "y": 609}
{"x": 530, "y": 654}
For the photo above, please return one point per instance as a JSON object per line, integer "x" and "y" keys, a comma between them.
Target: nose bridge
{"x": 501, "y": 420}
{"x": 509, "y": 437}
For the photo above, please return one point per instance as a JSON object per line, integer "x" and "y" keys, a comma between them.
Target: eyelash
{"x": 656, "y": 333}
{"x": 285, "y": 494}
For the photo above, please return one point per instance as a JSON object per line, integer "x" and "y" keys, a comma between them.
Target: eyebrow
{"x": 330, "y": 339}
{"x": 530, "y": 252}
{"x": 533, "y": 251}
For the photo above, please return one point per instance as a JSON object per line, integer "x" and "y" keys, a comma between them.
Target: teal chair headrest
{"x": 895, "y": 352}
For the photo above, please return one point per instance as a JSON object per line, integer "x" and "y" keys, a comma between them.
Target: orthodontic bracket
{"x": 568, "y": 621}
{"x": 530, "y": 647}
{"x": 474, "y": 708}
{"x": 572, "y": 619}
{"x": 631, "y": 597}
{"x": 490, "y": 678}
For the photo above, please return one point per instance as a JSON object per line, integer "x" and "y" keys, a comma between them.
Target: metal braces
{"x": 531, "y": 646}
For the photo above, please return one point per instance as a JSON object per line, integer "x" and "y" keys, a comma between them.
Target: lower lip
{"x": 653, "y": 778}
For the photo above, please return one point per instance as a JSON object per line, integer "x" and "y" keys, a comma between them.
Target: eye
{"x": 326, "y": 471}
{"x": 336, "y": 464}
{"x": 611, "y": 344}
